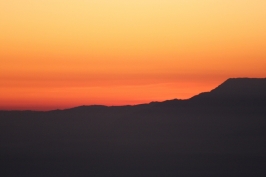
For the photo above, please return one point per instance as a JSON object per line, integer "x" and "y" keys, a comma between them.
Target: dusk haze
{"x": 58, "y": 54}
{"x": 132, "y": 88}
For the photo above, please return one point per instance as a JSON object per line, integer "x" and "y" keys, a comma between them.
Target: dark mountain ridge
{"x": 234, "y": 92}
{"x": 218, "y": 133}
{"x": 242, "y": 86}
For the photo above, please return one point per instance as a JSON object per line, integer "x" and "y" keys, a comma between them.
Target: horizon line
{"x": 124, "y": 105}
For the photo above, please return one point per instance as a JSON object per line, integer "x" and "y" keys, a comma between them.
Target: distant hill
{"x": 243, "y": 87}
{"x": 236, "y": 91}
{"x": 217, "y": 133}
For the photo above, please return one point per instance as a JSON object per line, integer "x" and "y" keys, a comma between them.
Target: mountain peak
{"x": 242, "y": 86}
{"x": 236, "y": 91}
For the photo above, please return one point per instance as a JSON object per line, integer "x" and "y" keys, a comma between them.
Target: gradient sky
{"x": 65, "y": 53}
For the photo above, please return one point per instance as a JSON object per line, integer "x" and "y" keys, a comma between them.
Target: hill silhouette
{"x": 217, "y": 133}
{"x": 237, "y": 89}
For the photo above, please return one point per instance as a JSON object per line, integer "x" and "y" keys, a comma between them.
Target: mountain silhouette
{"x": 216, "y": 133}
{"x": 236, "y": 90}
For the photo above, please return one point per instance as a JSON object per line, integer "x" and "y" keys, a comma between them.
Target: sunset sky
{"x": 66, "y": 53}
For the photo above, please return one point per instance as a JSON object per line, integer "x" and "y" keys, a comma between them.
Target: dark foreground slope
{"x": 220, "y": 133}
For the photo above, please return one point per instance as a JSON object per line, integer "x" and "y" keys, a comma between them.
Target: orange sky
{"x": 65, "y": 53}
